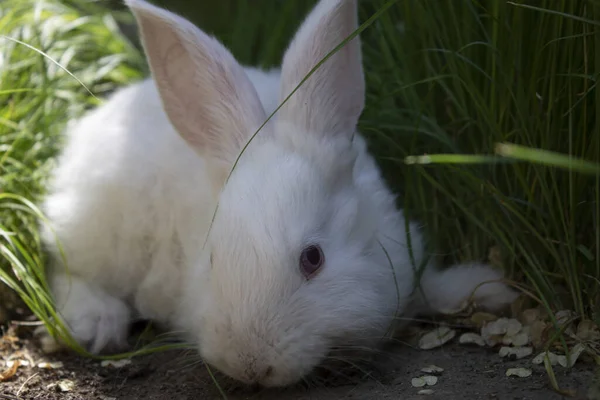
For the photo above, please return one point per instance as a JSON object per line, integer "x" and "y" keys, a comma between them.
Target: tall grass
{"x": 53, "y": 56}
{"x": 448, "y": 79}
{"x": 460, "y": 77}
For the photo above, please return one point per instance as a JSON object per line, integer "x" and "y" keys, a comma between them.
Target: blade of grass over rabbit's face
{"x": 357, "y": 32}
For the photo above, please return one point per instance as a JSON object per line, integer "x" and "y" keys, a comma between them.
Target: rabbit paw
{"x": 95, "y": 319}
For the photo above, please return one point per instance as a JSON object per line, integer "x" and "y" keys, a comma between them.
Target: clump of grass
{"x": 53, "y": 56}
{"x": 449, "y": 82}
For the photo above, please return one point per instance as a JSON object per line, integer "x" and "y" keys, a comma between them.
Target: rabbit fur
{"x": 136, "y": 187}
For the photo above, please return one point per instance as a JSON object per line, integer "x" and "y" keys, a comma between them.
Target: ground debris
{"x": 9, "y": 372}
{"x": 426, "y": 380}
{"x": 520, "y": 372}
{"x": 115, "y": 363}
{"x": 50, "y": 365}
{"x": 436, "y": 338}
{"x": 515, "y": 352}
{"x": 552, "y": 357}
{"x": 432, "y": 369}
{"x": 471, "y": 338}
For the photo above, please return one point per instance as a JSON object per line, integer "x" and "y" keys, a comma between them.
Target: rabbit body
{"x": 134, "y": 199}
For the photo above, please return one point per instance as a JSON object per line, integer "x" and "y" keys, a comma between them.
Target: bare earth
{"x": 469, "y": 373}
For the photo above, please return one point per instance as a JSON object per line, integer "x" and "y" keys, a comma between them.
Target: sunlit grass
{"x": 56, "y": 61}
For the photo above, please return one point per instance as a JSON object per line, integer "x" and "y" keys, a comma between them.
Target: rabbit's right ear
{"x": 205, "y": 92}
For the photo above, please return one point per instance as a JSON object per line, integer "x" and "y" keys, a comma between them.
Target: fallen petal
{"x": 427, "y": 380}
{"x": 553, "y": 358}
{"x": 497, "y": 327}
{"x": 430, "y": 380}
{"x": 564, "y": 316}
{"x": 417, "y": 382}
{"x": 115, "y": 363}
{"x": 436, "y": 338}
{"x": 517, "y": 352}
{"x": 471, "y": 338}
{"x": 66, "y": 385}
{"x": 521, "y": 339}
{"x": 530, "y": 315}
{"x": 9, "y": 372}
{"x": 49, "y": 365}
{"x": 513, "y": 327}
{"x": 480, "y": 318}
{"x": 520, "y": 372}
{"x": 587, "y": 330}
{"x": 23, "y": 363}
{"x": 432, "y": 369}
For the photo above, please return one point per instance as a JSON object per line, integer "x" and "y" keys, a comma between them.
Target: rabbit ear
{"x": 332, "y": 99}
{"x": 205, "y": 92}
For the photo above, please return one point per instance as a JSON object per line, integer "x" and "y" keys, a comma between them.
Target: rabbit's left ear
{"x": 332, "y": 99}
{"x": 206, "y": 94}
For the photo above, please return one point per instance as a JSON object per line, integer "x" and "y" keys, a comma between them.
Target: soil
{"x": 469, "y": 373}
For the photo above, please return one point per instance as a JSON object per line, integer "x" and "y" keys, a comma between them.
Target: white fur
{"x": 137, "y": 185}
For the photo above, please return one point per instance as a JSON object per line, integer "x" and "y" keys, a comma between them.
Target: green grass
{"x": 482, "y": 114}
{"x": 52, "y": 57}
{"x": 462, "y": 77}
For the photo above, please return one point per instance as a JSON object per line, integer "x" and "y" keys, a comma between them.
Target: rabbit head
{"x": 287, "y": 269}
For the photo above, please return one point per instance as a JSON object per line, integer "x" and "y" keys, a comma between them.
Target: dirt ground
{"x": 469, "y": 373}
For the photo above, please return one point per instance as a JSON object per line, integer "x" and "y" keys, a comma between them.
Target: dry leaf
{"x": 495, "y": 332}
{"x": 427, "y": 380}
{"x": 115, "y": 363}
{"x": 436, "y": 338}
{"x": 471, "y": 338}
{"x": 513, "y": 327}
{"x": 553, "y": 358}
{"x": 65, "y": 385}
{"x": 521, "y": 338}
{"x": 520, "y": 372}
{"x": 10, "y": 371}
{"x": 23, "y": 363}
{"x": 480, "y": 318}
{"x": 50, "y": 365}
{"x": 432, "y": 369}
{"x": 516, "y": 352}
{"x": 588, "y": 330}
{"x": 537, "y": 332}
{"x": 530, "y": 315}
{"x": 564, "y": 316}
{"x": 503, "y": 326}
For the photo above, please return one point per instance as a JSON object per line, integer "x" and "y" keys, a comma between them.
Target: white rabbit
{"x": 293, "y": 263}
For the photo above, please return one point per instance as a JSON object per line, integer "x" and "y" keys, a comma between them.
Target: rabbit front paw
{"x": 95, "y": 319}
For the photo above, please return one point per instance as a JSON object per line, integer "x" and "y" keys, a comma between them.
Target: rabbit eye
{"x": 311, "y": 260}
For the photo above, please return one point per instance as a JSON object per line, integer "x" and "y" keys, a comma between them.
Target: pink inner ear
{"x": 332, "y": 99}
{"x": 205, "y": 92}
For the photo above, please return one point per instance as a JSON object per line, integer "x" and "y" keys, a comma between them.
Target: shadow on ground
{"x": 469, "y": 373}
